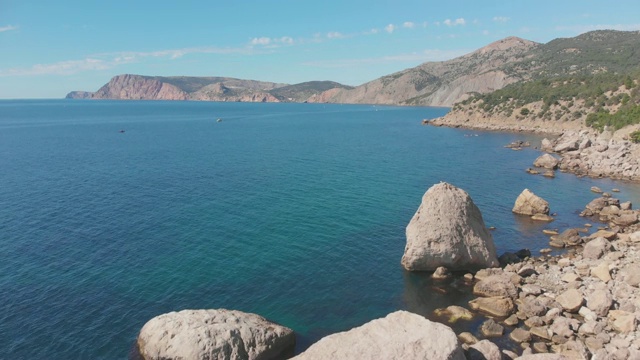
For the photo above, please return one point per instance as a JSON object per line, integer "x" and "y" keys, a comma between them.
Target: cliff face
{"x": 441, "y": 83}
{"x": 136, "y": 87}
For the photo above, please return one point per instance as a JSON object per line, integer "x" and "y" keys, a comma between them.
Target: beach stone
{"x": 596, "y": 190}
{"x": 500, "y": 306}
{"x": 529, "y": 203}
{"x": 490, "y": 328}
{"x": 542, "y": 357}
{"x": 496, "y": 285}
{"x": 540, "y": 347}
{"x": 594, "y": 249}
{"x": 622, "y": 321}
{"x": 484, "y": 350}
{"x": 511, "y": 320}
{"x": 542, "y": 332}
{"x": 608, "y": 235}
{"x": 448, "y": 230}
{"x": 531, "y": 307}
{"x": 549, "y": 232}
{"x": 626, "y": 219}
{"x": 570, "y": 300}
{"x": 467, "y": 338}
{"x": 625, "y": 205}
{"x": 542, "y": 217}
{"x": 570, "y": 277}
{"x": 600, "y": 301}
{"x": 441, "y": 273}
{"x": 213, "y": 334}
{"x": 569, "y": 237}
{"x": 546, "y": 161}
{"x": 601, "y": 271}
{"x": 508, "y": 258}
{"x": 399, "y": 335}
{"x": 520, "y": 335}
{"x": 630, "y": 274}
{"x": 549, "y": 174}
{"x": 454, "y": 313}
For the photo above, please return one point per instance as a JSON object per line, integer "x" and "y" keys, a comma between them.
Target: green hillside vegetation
{"x": 593, "y": 52}
{"x": 302, "y": 91}
{"x": 595, "y": 94}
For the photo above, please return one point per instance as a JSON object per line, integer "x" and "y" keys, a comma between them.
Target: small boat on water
{"x": 219, "y": 120}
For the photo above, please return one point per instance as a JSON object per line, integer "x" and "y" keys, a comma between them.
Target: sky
{"x": 49, "y": 48}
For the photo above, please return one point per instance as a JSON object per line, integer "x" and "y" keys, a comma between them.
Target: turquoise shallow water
{"x": 292, "y": 211}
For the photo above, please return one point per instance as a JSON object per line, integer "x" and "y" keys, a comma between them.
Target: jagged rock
{"x": 571, "y": 300}
{"x": 596, "y": 248}
{"x": 596, "y": 190}
{"x": 499, "y": 306}
{"x": 496, "y": 285}
{"x": 546, "y": 145}
{"x": 213, "y": 334}
{"x": 448, "y": 230}
{"x": 400, "y": 335}
{"x": 549, "y": 174}
{"x": 546, "y": 161}
{"x": 568, "y": 145}
{"x": 531, "y": 307}
{"x": 608, "y": 235}
{"x": 542, "y": 332}
{"x": 484, "y": 350}
{"x": 490, "y": 328}
{"x": 626, "y": 219}
{"x": 528, "y": 203}
{"x": 485, "y": 273}
{"x": 626, "y": 205}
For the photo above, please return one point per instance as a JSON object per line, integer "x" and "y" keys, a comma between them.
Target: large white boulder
{"x": 213, "y": 334}
{"x": 400, "y": 335}
{"x": 529, "y": 203}
{"x": 448, "y": 230}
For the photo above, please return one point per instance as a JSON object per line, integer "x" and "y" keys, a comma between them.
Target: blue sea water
{"x": 292, "y": 211}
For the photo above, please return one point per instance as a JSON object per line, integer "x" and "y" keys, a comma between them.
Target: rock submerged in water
{"x": 529, "y": 203}
{"x": 400, "y": 335}
{"x": 214, "y": 334}
{"x": 448, "y": 230}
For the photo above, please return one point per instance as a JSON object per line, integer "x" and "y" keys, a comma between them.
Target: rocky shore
{"x": 582, "y": 304}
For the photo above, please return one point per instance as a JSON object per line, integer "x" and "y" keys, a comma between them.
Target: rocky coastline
{"x": 582, "y": 304}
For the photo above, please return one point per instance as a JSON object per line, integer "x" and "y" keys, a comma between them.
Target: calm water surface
{"x": 292, "y": 211}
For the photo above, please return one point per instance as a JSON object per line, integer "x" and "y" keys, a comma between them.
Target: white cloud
{"x": 261, "y": 41}
{"x": 390, "y": 28}
{"x": 107, "y": 61}
{"x": 501, "y": 19}
{"x": 458, "y": 21}
{"x": 485, "y": 32}
{"x": 334, "y": 35}
{"x": 286, "y": 40}
{"x": 408, "y": 25}
{"x": 8, "y": 28}
{"x": 371, "y": 32}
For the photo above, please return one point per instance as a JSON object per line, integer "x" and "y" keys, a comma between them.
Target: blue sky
{"x": 48, "y": 48}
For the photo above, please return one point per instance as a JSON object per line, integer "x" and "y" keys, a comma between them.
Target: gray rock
{"x": 630, "y": 274}
{"x": 520, "y": 335}
{"x": 529, "y": 203}
{"x": 400, "y": 335}
{"x": 568, "y": 145}
{"x": 569, "y": 237}
{"x": 448, "y": 230}
{"x": 213, "y": 334}
{"x": 441, "y": 273}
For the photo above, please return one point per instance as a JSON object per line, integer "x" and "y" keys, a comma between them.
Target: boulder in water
{"x": 214, "y": 334}
{"x": 448, "y": 230}
{"x": 400, "y": 335}
{"x": 529, "y": 203}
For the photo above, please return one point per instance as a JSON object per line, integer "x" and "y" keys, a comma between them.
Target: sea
{"x": 113, "y": 212}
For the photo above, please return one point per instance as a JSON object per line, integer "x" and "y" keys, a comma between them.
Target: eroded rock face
{"x": 529, "y": 203}
{"x": 546, "y": 161}
{"x": 400, "y": 335}
{"x": 448, "y": 230}
{"x": 213, "y": 334}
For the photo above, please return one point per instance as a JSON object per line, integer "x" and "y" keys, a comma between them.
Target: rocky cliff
{"x": 441, "y": 83}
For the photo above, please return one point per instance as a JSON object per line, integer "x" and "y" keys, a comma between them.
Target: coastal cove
{"x": 296, "y": 212}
